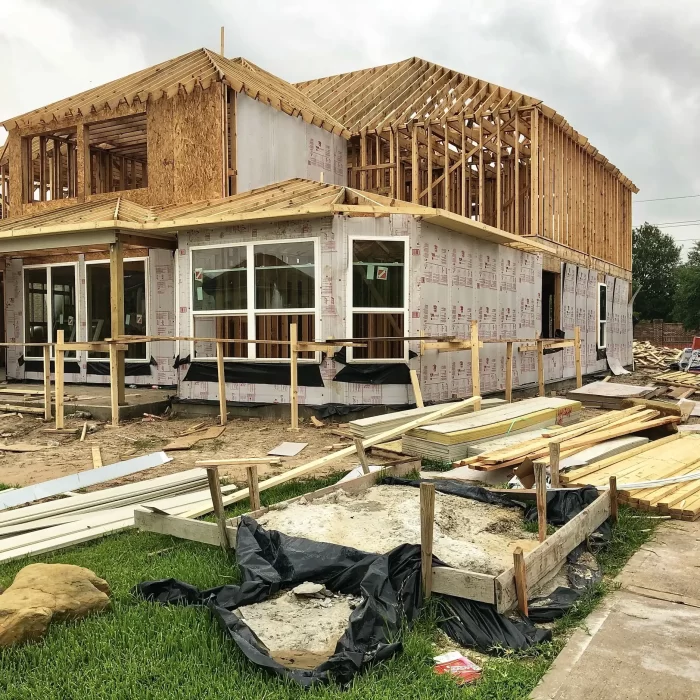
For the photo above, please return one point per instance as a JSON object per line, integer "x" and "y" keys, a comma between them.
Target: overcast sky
{"x": 622, "y": 72}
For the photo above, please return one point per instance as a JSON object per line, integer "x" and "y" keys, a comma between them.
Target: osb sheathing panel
{"x": 14, "y": 150}
{"x": 198, "y": 145}
{"x": 161, "y": 152}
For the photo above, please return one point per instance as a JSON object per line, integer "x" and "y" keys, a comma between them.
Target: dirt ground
{"x": 65, "y": 454}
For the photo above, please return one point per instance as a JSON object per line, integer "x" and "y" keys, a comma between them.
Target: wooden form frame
{"x": 539, "y": 564}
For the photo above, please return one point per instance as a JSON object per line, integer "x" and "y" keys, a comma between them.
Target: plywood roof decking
{"x": 292, "y": 199}
{"x": 392, "y": 95}
{"x": 199, "y": 67}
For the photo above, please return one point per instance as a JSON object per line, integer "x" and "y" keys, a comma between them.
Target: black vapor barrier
{"x": 388, "y": 584}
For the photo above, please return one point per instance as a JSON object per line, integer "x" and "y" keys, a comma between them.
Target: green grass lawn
{"x": 150, "y": 652}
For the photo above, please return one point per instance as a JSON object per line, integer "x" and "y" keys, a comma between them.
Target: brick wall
{"x": 672, "y": 335}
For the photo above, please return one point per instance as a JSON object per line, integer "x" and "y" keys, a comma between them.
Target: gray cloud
{"x": 623, "y": 73}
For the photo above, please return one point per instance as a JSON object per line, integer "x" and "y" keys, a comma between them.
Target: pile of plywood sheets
{"x": 572, "y": 439}
{"x": 609, "y": 395}
{"x": 51, "y": 525}
{"x": 450, "y": 439}
{"x": 660, "y": 477}
{"x": 369, "y": 427}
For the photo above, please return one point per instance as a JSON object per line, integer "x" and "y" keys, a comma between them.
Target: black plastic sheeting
{"x": 69, "y": 366}
{"x": 371, "y": 373}
{"x": 131, "y": 369}
{"x": 252, "y": 373}
{"x": 390, "y": 586}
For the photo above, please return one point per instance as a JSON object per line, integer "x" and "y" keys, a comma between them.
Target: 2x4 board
{"x": 540, "y": 564}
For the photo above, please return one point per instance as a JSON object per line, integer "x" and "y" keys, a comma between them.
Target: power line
{"x": 665, "y": 199}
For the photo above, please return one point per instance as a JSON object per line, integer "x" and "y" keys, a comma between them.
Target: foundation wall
{"x": 273, "y": 146}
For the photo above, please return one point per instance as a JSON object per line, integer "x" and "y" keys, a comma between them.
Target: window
{"x": 379, "y": 298}
{"x": 99, "y": 309}
{"x": 49, "y": 166}
{"x": 47, "y": 312}
{"x": 255, "y": 291}
{"x": 551, "y": 304}
{"x": 602, "y": 316}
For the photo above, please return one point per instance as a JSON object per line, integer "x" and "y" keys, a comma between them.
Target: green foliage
{"x": 655, "y": 262}
{"x": 687, "y": 296}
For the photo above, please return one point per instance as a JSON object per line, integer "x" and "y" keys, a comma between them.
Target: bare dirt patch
{"x": 468, "y": 535}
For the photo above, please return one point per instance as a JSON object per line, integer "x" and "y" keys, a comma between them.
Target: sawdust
{"x": 467, "y": 535}
{"x": 301, "y": 632}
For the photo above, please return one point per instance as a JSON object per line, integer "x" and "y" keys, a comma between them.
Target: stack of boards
{"x": 45, "y": 527}
{"x": 365, "y": 428}
{"x": 450, "y": 439}
{"x": 674, "y": 461}
{"x": 609, "y": 395}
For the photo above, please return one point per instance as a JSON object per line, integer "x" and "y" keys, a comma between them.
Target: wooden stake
{"x": 217, "y": 501}
{"x": 253, "y": 487}
{"x": 60, "y": 353}
{"x": 362, "y": 455}
{"x": 113, "y": 383}
{"x": 418, "y": 395}
{"x": 520, "y": 579}
{"x": 554, "y": 453}
{"x": 96, "y": 457}
{"x": 577, "y": 354}
{"x": 427, "y": 519}
{"x": 293, "y": 377}
{"x": 541, "y": 487}
{"x": 83, "y": 432}
{"x": 476, "y": 379}
{"x": 221, "y": 376}
{"x": 540, "y": 367}
{"x": 116, "y": 289}
{"x": 47, "y": 382}
{"x": 509, "y": 372}
{"x": 613, "y": 499}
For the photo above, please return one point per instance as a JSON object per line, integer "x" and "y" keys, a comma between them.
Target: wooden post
{"x": 253, "y": 487}
{"x": 541, "y": 487}
{"x": 114, "y": 383}
{"x": 362, "y": 455}
{"x": 520, "y": 579}
{"x": 415, "y": 170}
{"x": 577, "y": 355}
{"x": 427, "y": 518}
{"x": 554, "y": 453}
{"x": 476, "y": 379}
{"x": 509, "y": 372}
{"x": 293, "y": 377}
{"x": 222, "y": 41}
{"x": 613, "y": 499}
{"x": 221, "y": 376}
{"x": 217, "y": 500}
{"x": 60, "y": 353}
{"x": 116, "y": 295}
{"x": 540, "y": 367}
{"x": 47, "y": 382}
{"x": 418, "y": 395}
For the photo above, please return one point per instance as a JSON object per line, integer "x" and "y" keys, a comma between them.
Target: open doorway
{"x": 551, "y": 303}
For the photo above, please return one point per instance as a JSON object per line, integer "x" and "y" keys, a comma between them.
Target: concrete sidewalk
{"x": 643, "y": 642}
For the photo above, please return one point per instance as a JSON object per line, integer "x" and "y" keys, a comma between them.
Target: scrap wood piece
{"x": 317, "y": 423}
{"x": 83, "y": 432}
{"x": 616, "y": 366}
{"x": 22, "y": 447}
{"x": 237, "y": 460}
{"x": 304, "y": 469}
{"x": 185, "y": 442}
{"x": 21, "y": 409}
{"x": 96, "y": 457}
{"x": 288, "y": 449}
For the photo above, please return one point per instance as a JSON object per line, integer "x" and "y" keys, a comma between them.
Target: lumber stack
{"x": 449, "y": 440}
{"x": 684, "y": 379}
{"x": 571, "y": 438}
{"x": 648, "y": 356}
{"x": 609, "y": 394}
{"x": 660, "y": 477}
{"x": 365, "y": 428}
{"x": 45, "y": 527}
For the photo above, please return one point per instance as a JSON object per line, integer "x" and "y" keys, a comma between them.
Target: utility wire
{"x": 665, "y": 199}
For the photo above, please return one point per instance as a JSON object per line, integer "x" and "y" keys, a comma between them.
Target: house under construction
{"x": 207, "y": 198}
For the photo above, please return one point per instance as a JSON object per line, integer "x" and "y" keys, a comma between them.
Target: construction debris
{"x": 648, "y": 356}
{"x": 680, "y": 379}
{"x": 190, "y": 438}
{"x": 608, "y": 394}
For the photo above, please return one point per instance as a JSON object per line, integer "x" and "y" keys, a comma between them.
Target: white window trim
{"x": 251, "y": 312}
{"x": 377, "y": 309}
{"x": 49, "y": 315}
{"x": 92, "y": 358}
{"x": 599, "y": 320}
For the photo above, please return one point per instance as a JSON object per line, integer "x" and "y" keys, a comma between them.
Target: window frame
{"x": 49, "y": 315}
{"x": 251, "y": 312}
{"x": 599, "y": 320}
{"x": 351, "y": 309}
{"x": 92, "y": 358}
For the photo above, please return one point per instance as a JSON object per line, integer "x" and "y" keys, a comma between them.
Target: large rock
{"x": 45, "y": 593}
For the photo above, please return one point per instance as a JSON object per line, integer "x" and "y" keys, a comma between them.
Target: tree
{"x": 655, "y": 262}
{"x": 687, "y": 297}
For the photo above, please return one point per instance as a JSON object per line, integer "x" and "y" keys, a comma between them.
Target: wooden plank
{"x": 541, "y": 489}
{"x": 237, "y": 460}
{"x": 217, "y": 502}
{"x": 520, "y": 579}
{"x": 554, "y": 454}
{"x": 221, "y": 378}
{"x": 346, "y": 452}
{"x": 464, "y": 584}
{"x": 176, "y": 526}
{"x": 47, "y": 382}
{"x": 542, "y": 560}
{"x": 184, "y": 442}
{"x": 116, "y": 300}
{"x": 418, "y": 395}
{"x": 476, "y": 377}
{"x": 96, "y": 457}
{"x": 113, "y": 384}
{"x": 427, "y": 523}
{"x": 59, "y": 380}
{"x": 253, "y": 490}
{"x": 362, "y": 455}
{"x": 83, "y": 433}
{"x": 293, "y": 377}
{"x": 613, "y": 498}
{"x": 577, "y": 355}
{"x": 509, "y": 372}
{"x": 540, "y": 368}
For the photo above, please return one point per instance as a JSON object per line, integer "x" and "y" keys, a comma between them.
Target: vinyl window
{"x": 254, "y": 291}
{"x": 378, "y": 298}
{"x": 602, "y": 316}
